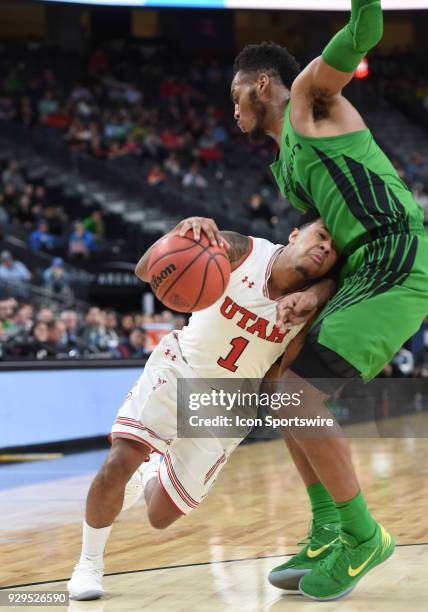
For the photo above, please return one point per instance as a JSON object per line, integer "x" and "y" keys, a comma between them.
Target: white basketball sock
{"x": 94, "y": 541}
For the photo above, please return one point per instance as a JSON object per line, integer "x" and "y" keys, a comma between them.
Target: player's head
{"x": 262, "y": 79}
{"x": 312, "y": 250}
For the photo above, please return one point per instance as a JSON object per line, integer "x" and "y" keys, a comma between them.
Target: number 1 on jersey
{"x": 239, "y": 345}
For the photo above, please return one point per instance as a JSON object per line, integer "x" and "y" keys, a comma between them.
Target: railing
{"x": 39, "y": 296}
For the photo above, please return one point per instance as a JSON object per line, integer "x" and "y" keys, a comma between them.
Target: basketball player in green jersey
{"x": 328, "y": 161}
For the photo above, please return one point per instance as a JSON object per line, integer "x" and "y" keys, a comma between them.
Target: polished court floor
{"x": 217, "y": 558}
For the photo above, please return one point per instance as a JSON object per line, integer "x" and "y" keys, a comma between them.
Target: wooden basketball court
{"x": 218, "y": 557}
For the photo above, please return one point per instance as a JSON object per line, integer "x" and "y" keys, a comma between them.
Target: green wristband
{"x": 362, "y": 33}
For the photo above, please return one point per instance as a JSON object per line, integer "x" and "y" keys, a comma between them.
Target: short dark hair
{"x": 268, "y": 57}
{"x": 308, "y": 218}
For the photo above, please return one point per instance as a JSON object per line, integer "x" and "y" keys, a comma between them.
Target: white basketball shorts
{"x": 149, "y": 415}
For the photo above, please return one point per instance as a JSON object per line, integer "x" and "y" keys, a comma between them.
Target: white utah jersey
{"x": 237, "y": 336}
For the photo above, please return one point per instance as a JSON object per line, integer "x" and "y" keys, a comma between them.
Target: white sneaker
{"x": 86, "y": 581}
{"x": 134, "y": 489}
{"x": 135, "y": 486}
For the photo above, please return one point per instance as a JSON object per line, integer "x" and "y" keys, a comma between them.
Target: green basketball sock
{"x": 324, "y": 509}
{"x": 356, "y": 518}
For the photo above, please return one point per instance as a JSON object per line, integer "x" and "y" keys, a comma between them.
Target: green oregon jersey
{"x": 382, "y": 295}
{"x": 351, "y": 183}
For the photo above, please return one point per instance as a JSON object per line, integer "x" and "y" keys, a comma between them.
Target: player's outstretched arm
{"x": 331, "y": 72}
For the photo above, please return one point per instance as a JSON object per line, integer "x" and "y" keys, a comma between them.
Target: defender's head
{"x": 312, "y": 250}
{"x": 262, "y": 78}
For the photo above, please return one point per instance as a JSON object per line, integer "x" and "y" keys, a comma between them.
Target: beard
{"x": 303, "y": 272}
{"x": 259, "y": 110}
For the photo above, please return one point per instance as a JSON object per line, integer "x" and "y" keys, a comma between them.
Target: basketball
{"x": 188, "y": 275}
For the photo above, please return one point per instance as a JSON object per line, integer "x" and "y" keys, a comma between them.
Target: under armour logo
{"x": 160, "y": 382}
{"x": 247, "y": 281}
{"x": 169, "y": 353}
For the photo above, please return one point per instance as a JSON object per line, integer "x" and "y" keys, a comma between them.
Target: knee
{"x": 158, "y": 520}
{"x": 161, "y": 512}
{"x": 115, "y": 472}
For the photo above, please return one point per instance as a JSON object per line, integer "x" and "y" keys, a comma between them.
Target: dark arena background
{"x": 115, "y": 124}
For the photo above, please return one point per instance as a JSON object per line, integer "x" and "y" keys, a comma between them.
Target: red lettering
{"x": 259, "y": 328}
{"x": 276, "y": 336}
{"x": 229, "y": 308}
{"x": 238, "y": 347}
{"x": 247, "y": 317}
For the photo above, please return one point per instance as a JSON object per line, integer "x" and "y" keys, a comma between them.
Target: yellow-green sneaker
{"x": 318, "y": 546}
{"x": 337, "y": 575}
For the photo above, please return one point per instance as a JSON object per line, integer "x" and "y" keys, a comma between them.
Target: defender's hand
{"x": 198, "y": 225}
{"x": 295, "y": 309}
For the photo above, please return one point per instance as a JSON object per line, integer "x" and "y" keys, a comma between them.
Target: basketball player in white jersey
{"x": 235, "y": 337}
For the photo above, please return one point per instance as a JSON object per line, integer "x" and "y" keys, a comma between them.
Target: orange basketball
{"x": 186, "y": 274}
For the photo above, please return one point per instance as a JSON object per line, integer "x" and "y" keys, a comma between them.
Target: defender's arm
{"x": 290, "y": 354}
{"x": 299, "y": 307}
{"x": 327, "y": 75}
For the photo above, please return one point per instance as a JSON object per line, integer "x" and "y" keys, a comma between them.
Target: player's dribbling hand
{"x": 295, "y": 309}
{"x": 201, "y": 224}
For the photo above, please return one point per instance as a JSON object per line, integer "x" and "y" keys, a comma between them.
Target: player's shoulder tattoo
{"x": 239, "y": 245}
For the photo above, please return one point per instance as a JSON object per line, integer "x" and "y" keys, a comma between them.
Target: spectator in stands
{"x": 25, "y": 213}
{"x": 81, "y": 243}
{"x": 70, "y": 319}
{"x": 40, "y": 196}
{"x": 7, "y": 324}
{"x": 207, "y": 147}
{"x": 7, "y": 108}
{"x": 95, "y": 224}
{"x": 220, "y": 135}
{"x": 57, "y": 336}
{"x": 4, "y": 217}
{"x": 42, "y": 240}
{"x": 45, "y": 315}
{"x": 56, "y": 220}
{"x": 399, "y": 168}
{"x": 95, "y": 335}
{"x": 111, "y": 329}
{"x": 172, "y": 165}
{"x": 420, "y": 195}
{"x": 155, "y": 176}
{"x": 9, "y": 198}
{"x": 57, "y": 279}
{"x": 127, "y": 324}
{"x": 152, "y": 144}
{"x": 12, "y": 270}
{"x": 39, "y": 345}
{"x": 415, "y": 167}
{"x": 179, "y": 322}
{"x": 193, "y": 178}
{"x": 26, "y": 112}
{"x": 13, "y": 176}
{"x": 258, "y": 209}
{"x": 24, "y": 318}
{"x": 135, "y": 346}
{"x": 48, "y": 105}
